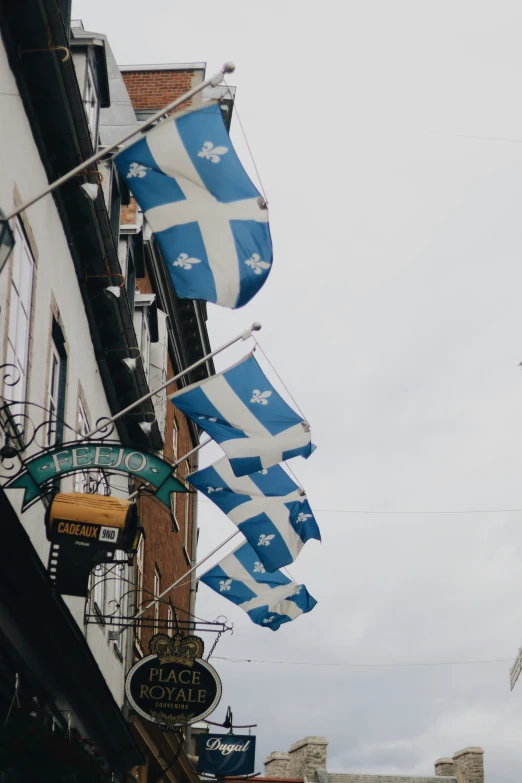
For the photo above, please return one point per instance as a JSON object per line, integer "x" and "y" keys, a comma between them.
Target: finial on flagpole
{"x": 229, "y": 67}
{"x": 256, "y": 326}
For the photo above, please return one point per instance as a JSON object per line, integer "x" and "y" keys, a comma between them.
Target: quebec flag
{"x": 210, "y": 221}
{"x": 242, "y": 411}
{"x": 269, "y": 599}
{"x": 268, "y": 507}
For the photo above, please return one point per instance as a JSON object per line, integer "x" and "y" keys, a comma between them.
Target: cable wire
{"x": 232, "y": 98}
{"x": 283, "y": 384}
{"x": 394, "y": 511}
{"x": 365, "y": 665}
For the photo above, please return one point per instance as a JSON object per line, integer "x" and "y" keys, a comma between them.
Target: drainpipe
{"x": 193, "y": 580}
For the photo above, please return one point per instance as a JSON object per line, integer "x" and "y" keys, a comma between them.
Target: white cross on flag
{"x": 210, "y": 222}
{"x": 269, "y": 599}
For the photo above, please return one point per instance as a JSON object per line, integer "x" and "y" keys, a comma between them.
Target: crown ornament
{"x": 177, "y": 648}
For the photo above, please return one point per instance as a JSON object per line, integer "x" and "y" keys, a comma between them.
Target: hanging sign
{"x": 173, "y": 686}
{"x": 226, "y": 755}
{"x": 79, "y": 457}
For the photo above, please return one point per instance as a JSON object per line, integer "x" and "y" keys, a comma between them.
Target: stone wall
{"x": 306, "y": 755}
{"x": 277, "y": 765}
{"x": 444, "y": 767}
{"x": 469, "y": 765}
{"x": 306, "y": 761}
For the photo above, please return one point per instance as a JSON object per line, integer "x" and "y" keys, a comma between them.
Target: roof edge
{"x": 165, "y": 67}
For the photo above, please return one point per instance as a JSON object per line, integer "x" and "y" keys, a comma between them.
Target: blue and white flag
{"x": 269, "y": 508}
{"x": 269, "y": 599}
{"x": 210, "y": 221}
{"x": 242, "y": 411}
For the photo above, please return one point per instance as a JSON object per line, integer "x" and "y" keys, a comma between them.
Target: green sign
{"x": 112, "y": 457}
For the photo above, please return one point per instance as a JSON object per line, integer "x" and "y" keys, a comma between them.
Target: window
{"x": 140, "y": 553}
{"x": 145, "y": 326}
{"x": 119, "y": 590}
{"x": 81, "y": 480}
{"x": 98, "y": 590}
{"x": 170, "y": 618}
{"x": 54, "y": 382}
{"x": 187, "y": 517}
{"x": 91, "y": 104}
{"x": 20, "y": 297}
{"x": 82, "y": 422}
{"x": 175, "y": 440}
{"x": 157, "y": 591}
{"x": 115, "y": 205}
{"x": 57, "y": 385}
{"x": 174, "y": 528}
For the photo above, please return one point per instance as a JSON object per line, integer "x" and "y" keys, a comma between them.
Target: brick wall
{"x": 164, "y": 548}
{"x": 155, "y": 89}
{"x": 128, "y": 213}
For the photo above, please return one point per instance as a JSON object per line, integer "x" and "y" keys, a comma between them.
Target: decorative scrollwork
{"x": 13, "y": 374}
{"x": 120, "y": 609}
{"x": 21, "y": 432}
{"x": 102, "y": 430}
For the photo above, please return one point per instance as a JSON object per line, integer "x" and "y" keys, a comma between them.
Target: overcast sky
{"x": 388, "y": 136}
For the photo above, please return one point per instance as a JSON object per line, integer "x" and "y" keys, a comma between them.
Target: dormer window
{"x": 145, "y": 326}
{"x": 91, "y": 103}
{"x": 90, "y": 63}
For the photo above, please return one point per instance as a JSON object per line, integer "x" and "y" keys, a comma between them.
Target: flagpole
{"x": 115, "y": 634}
{"x": 109, "y": 420}
{"x": 212, "y": 82}
{"x": 174, "y": 465}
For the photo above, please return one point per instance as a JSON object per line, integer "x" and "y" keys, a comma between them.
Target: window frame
{"x": 119, "y": 592}
{"x": 175, "y": 439}
{"x": 156, "y": 591}
{"x": 98, "y": 596}
{"x": 20, "y": 298}
{"x": 82, "y": 428}
{"x": 92, "y": 107}
{"x": 187, "y": 516}
{"x": 56, "y": 389}
{"x": 139, "y": 561}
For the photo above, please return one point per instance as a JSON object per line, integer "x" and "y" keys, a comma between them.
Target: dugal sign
{"x": 173, "y": 686}
{"x": 226, "y": 755}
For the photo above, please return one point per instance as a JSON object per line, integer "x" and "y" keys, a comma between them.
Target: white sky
{"x": 389, "y": 140}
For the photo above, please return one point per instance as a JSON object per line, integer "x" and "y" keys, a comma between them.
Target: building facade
{"x": 89, "y": 324}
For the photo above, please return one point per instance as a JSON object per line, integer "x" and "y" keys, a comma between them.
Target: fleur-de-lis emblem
{"x": 265, "y": 540}
{"x": 269, "y": 619}
{"x": 211, "y": 153}
{"x": 263, "y": 472}
{"x": 261, "y": 397}
{"x": 224, "y": 585}
{"x": 185, "y": 262}
{"x": 214, "y": 489}
{"x": 256, "y": 264}
{"x": 207, "y": 418}
{"x": 137, "y": 170}
{"x": 296, "y": 590}
{"x": 259, "y": 568}
{"x": 303, "y": 517}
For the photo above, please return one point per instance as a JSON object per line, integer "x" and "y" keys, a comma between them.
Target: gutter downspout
{"x": 193, "y": 579}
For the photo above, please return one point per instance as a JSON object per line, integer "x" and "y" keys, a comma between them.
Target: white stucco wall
{"x": 55, "y": 278}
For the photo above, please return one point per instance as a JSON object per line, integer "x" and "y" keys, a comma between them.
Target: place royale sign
{"x": 75, "y": 458}
{"x": 173, "y": 686}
